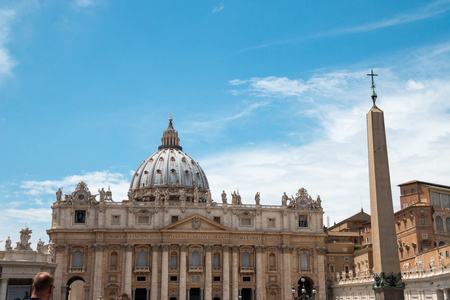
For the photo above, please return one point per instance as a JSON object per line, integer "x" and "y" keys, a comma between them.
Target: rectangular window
{"x": 367, "y": 240}
{"x": 446, "y": 253}
{"x": 246, "y": 279}
{"x": 217, "y": 219}
{"x": 302, "y": 221}
{"x": 216, "y": 261}
{"x": 143, "y": 219}
{"x": 173, "y": 278}
{"x": 173, "y": 261}
{"x": 245, "y": 221}
{"x": 345, "y": 250}
{"x": 367, "y": 229}
{"x": 413, "y": 191}
{"x": 404, "y": 192}
{"x": 174, "y": 219}
{"x": 435, "y": 199}
{"x": 216, "y": 278}
{"x": 270, "y": 223}
{"x": 445, "y": 200}
{"x": 331, "y": 269}
{"x": 405, "y": 205}
{"x": 115, "y": 220}
{"x": 412, "y": 222}
{"x": 141, "y": 278}
{"x": 80, "y": 216}
{"x": 424, "y": 236}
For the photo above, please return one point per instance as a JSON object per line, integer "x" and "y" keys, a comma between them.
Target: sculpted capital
{"x": 260, "y": 248}
{"x": 128, "y": 247}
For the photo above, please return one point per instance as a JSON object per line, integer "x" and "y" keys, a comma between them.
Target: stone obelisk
{"x": 387, "y": 277}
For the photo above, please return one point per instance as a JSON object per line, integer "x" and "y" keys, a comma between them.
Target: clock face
{"x": 81, "y": 197}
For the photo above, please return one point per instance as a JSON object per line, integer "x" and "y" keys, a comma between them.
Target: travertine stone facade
{"x": 171, "y": 240}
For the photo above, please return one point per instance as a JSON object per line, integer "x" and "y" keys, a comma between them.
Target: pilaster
{"x": 260, "y": 273}
{"x": 208, "y": 273}
{"x": 128, "y": 267}
{"x": 155, "y": 272}
{"x": 165, "y": 272}
{"x": 226, "y": 271}
{"x": 183, "y": 268}
{"x": 98, "y": 270}
{"x": 235, "y": 274}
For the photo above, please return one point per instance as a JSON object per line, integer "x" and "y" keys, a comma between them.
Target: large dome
{"x": 168, "y": 168}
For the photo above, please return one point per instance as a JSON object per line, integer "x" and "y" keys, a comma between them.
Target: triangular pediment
{"x": 196, "y": 222}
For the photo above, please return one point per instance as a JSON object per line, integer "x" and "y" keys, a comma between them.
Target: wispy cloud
{"x": 431, "y": 10}
{"x": 218, "y": 8}
{"x": 83, "y": 3}
{"x": 218, "y": 123}
{"x": 6, "y": 61}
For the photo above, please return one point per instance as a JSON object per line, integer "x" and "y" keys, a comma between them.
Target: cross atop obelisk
{"x": 387, "y": 285}
{"x": 374, "y": 95}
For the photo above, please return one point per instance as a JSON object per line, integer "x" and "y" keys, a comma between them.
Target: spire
{"x": 374, "y": 94}
{"x": 170, "y": 138}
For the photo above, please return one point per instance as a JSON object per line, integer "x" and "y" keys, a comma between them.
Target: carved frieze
{"x": 99, "y": 247}
{"x": 321, "y": 250}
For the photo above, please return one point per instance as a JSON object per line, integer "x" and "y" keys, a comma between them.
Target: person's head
{"x": 43, "y": 285}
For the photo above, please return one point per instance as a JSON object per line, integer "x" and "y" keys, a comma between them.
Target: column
{"x": 447, "y": 294}
{"x": 183, "y": 268}
{"x": 165, "y": 272}
{"x": 226, "y": 271}
{"x": 260, "y": 273}
{"x": 60, "y": 287}
{"x": 235, "y": 274}
{"x": 128, "y": 267}
{"x": 287, "y": 250}
{"x": 98, "y": 271}
{"x": 3, "y": 288}
{"x": 208, "y": 273}
{"x": 155, "y": 272}
{"x": 321, "y": 271}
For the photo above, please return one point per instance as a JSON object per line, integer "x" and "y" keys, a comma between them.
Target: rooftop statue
{"x": 25, "y": 235}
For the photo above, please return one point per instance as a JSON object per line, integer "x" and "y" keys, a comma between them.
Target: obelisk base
{"x": 389, "y": 293}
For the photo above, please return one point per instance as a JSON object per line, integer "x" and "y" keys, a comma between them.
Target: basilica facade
{"x": 170, "y": 240}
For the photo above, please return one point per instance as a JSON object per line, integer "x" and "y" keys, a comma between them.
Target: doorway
{"x": 246, "y": 294}
{"x": 194, "y": 294}
{"x": 140, "y": 294}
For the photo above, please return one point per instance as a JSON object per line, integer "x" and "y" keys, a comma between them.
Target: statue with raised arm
{"x": 196, "y": 194}
{"x": 224, "y": 197}
{"x": 182, "y": 195}
{"x": 208, "y": 197}
{"x": 102, "y": 195}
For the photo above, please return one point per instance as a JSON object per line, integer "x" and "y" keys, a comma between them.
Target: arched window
{"x": 441, "y": 243}
{"x": 195, "y": 259}
{"x": 439, "y": 224}
{"x": 447, "y": 224}
{"x": 77, "y": 260}
{"x": 304, "y": 264}
{"x": 272, "y": 262}
{"x": 142, "y": 259}
{"x": 246, "y": 260}
{"x": 173, "y": 260}
{"x": 114, "y": 258}
{"x": 216, "y": 260}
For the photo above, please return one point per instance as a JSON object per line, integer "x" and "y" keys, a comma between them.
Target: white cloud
{"x": 218, "y": 8}
{"x": 334, "y": 165}
{"x": 95, "y": 180}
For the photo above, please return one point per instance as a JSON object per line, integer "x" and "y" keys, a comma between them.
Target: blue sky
{"x": 268, "y": 96}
